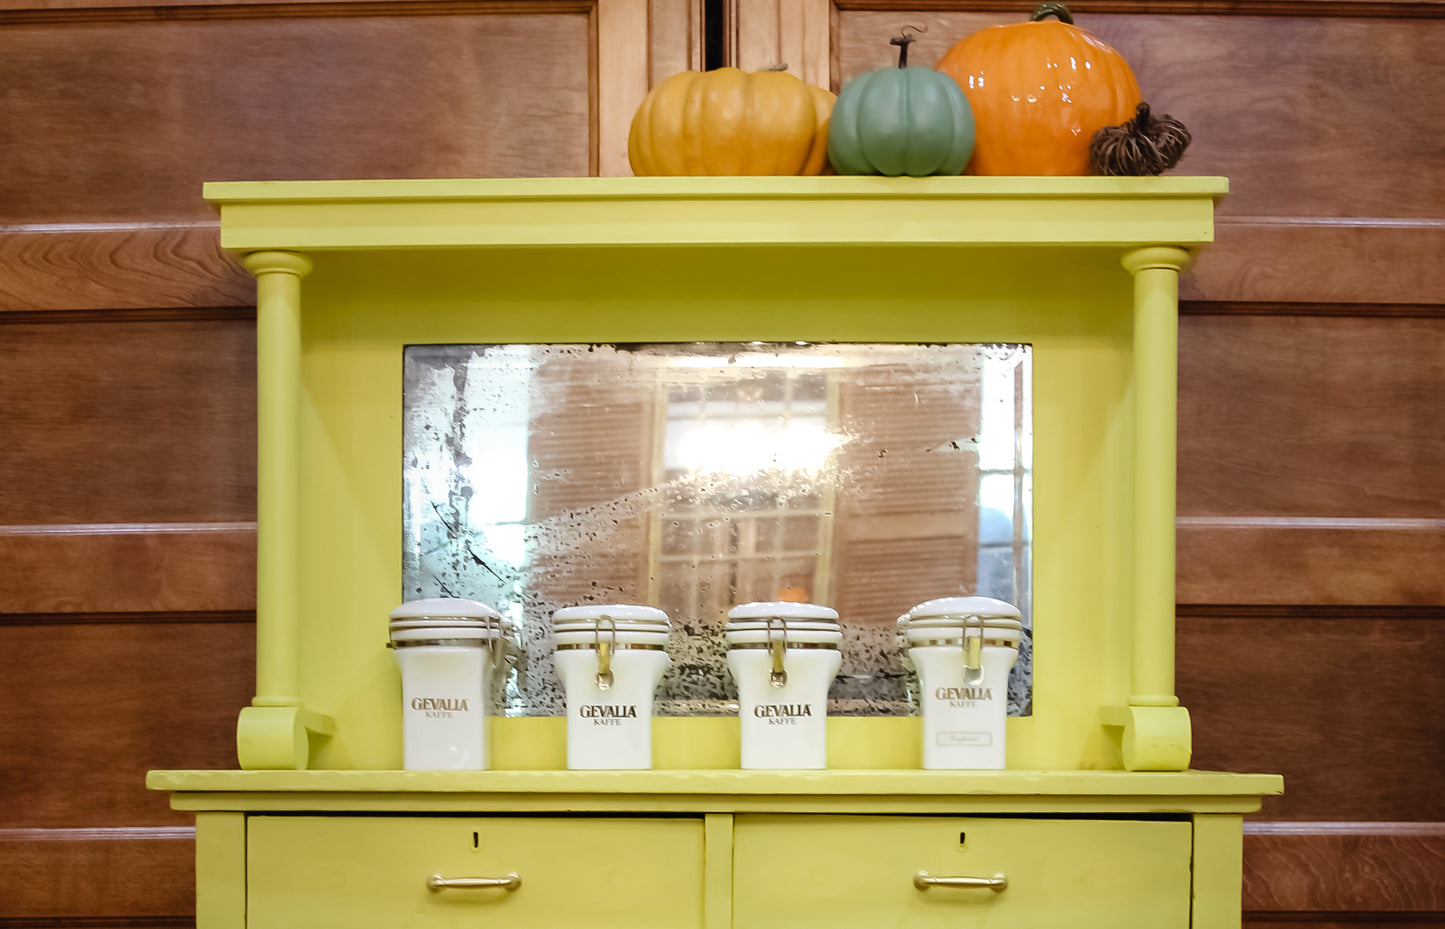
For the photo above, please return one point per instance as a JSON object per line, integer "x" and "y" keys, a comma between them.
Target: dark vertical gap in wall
{"x": 712, "y": 34}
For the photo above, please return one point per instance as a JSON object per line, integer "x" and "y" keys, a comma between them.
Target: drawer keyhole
{"x": 962, "y": 837}
{"x": 476, "y": 842}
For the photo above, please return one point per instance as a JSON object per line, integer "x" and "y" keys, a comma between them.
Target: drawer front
{"x": 805, "y": 871}
{"x": 356, "y": 872}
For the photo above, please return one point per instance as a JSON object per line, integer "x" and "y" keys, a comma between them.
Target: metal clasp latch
{"x": 972, "y": 651}
{"x": 604, "y": 651}
{"x": 778, "y": 647}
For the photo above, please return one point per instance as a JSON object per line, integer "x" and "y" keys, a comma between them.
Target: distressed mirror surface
{"x": 696, "y": 476}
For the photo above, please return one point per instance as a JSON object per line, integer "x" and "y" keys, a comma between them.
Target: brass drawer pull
{"x": 923, "y": 880}
{"x": 436, "y": 882}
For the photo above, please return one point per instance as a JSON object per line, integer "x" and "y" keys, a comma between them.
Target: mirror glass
{"x": 697, "y": 476}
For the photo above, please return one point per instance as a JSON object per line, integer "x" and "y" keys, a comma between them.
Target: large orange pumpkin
{"x": 1039, "y": 91}
{"x": 731, "y": 122}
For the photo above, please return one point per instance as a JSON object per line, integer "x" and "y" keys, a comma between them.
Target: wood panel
{"x": 82, "y": 877}
{"x": 1322, "y": 867}
{"x": 675, "y": 28}
{"x": 128, "y": 421}
{"x": 1342, "y": 703}
{"x": 1342, "y": 920}
{"x": 275, "y": 9}
{"x": 1267, "y": 560}
{"x": 109, "y": 266}
{"x": 128, "y": 567}
{"x": 765, "y": 33}
{"x": 91, "y": 707}
{"x": 1320, "y": 260}
{"x": 1311, "y": 457}
{"x": 173, "y": 104}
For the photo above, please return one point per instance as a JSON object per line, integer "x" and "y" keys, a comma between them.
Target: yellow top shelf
{"x": 720, "y": 790}
{"x": 569, "y": 212}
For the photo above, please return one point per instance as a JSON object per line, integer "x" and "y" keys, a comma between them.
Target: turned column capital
{"x": 1156, "y": 256}
{"x": 277, "y": 262}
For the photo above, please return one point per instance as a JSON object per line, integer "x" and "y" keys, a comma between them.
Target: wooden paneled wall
{"x": 1311, "y": 511}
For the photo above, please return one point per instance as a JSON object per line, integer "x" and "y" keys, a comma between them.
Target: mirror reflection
{"x": 697, "y": 476}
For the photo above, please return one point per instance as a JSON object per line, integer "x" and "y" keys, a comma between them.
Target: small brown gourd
{"x": 1144, "y": 146}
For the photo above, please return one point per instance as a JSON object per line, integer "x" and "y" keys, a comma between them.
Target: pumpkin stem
{"x": 1052, "y": 8}
{"x": 780, "y": 66}
{"x": 903, "y": 41}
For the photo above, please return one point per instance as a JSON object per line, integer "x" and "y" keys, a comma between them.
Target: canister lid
{"x": 757, "y": 615}
{"x": 445, "y": 608}
{"x": 624, "y": 616}
{"x": 957, "y": 611}
{"x": 448, "y": 617}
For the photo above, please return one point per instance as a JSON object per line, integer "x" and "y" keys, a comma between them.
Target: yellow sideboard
{"x": 716, "y": 849}
{"x": 1097, "y": 820}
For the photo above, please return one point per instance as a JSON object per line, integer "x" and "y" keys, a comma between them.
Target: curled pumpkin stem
{"x": 1054, "y": 9}
{"x": 903, "y": 41}
{"x": 1144, "y": 146}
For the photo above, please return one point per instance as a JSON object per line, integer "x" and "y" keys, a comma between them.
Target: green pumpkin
{"x": 903, "y": 120}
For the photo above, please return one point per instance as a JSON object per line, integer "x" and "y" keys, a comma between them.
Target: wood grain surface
{"x": 128, "y": 422}
{"x": 1314, "y": 416}
{"x": 91, "y": 708}
{"x": 771, "y": 32}
{"x": 271, "y": 9}
{"x": 128, "y": 567}
{"x": 1323, "y": 562}
{"x": 1311, "y": 460}
{"x": 123, "y": 122}
{"x": 1342, "y": 920}
{"x": 1308, "y": 260}
{"x": 79, "y": 877}
{"x": 1323, "y": 867}
{"x": 107, "y": 266}
{"x": 1342, "y": 705}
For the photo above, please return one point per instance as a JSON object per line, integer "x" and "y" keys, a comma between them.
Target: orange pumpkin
{"x": 731, "y": 122}
{"x": 1039, "y": 91}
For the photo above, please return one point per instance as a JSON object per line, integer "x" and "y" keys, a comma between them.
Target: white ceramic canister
{"x": 963, "y": 649}
{"x": 784, "y": 657}
{"x": 610, "y": 660}
{"x": 449, "y": 651}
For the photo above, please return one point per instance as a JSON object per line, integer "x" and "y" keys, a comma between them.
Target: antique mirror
{"x": 696, "y": 476}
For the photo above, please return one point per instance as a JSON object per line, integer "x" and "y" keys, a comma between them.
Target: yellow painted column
{"x": 278, "y": 472}
{"x": 272, "y": 732}
{"x": 1156, "y": 398}
{"x": 1155, "y": 728}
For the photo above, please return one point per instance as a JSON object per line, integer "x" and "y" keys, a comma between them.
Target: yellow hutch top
{"x": 1083, "y": 269}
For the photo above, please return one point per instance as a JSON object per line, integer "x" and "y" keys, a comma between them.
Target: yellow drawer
{"x": 830, "y": 871}
{"x": 355, "y": 872}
